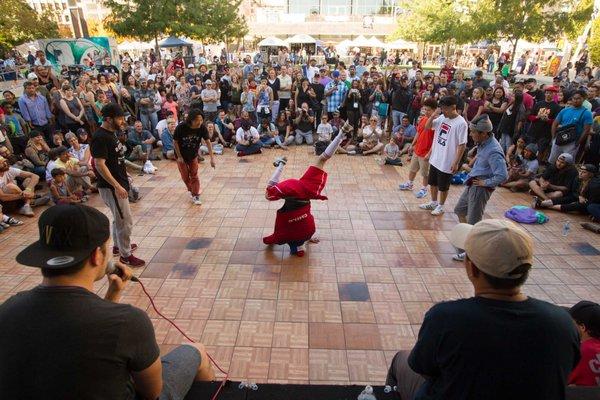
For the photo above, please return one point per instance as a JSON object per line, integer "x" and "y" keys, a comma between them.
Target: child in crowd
{"x": 248, "y": 100}
{"x": 324, "y": 132}
{"x": 587, "y": 318}
{"x": 523, "y": 170}
{"x": 215, "y": 138}
{"x": 61, "y": 194}
{"x": 391, "y": 151}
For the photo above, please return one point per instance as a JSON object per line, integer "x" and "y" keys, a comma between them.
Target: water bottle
{"x": 367, "y": 394}
{"x": 389, "y": 389}
{"x": 566, "y": 228}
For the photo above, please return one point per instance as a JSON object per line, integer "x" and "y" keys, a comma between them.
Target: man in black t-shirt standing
{"x": 542, "y": 116}
{"x": 500, "y": 344}
{"x": 61, "y": 341}
{"x": 113, "y": 184}
{"x": 187, "y": 140}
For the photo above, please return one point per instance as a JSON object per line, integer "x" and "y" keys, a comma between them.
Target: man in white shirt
{"x": 285, "y": 88}
{"x": 311, "y": 69}
{"x": 449, "y": 143}
{"x": 248, "y": 140}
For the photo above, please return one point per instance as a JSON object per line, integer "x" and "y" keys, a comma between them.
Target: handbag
{"x": 567, "y": 133}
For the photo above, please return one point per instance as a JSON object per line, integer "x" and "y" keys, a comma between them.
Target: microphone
{"x": 112, "y": 269}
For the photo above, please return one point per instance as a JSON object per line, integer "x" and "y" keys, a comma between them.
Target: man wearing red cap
{"x": 294, "y": 223}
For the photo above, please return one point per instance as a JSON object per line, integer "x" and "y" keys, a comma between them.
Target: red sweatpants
{"x": 189, "y": 175}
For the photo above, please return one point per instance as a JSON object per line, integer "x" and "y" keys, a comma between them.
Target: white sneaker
{"x": 421, "y": 193}
{"x": 459, "y": 256}
{"x": 26, "y": 210}
{"x": 406, "y": 186}
{"x": 432, "y": 205}
{"x": 439, "y": 210}
{"x": 196, "y": 200}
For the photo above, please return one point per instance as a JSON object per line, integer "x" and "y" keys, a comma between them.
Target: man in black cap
{"x": 113, "y": 183}
{"x": 62, "y": 341}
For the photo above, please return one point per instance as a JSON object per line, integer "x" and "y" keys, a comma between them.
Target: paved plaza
{"x": 339, "y": 314}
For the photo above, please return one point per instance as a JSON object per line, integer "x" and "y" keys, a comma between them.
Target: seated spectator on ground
{"x": 336, "y": 122}
{"x": 371, "y": 141}
{"x": 215, "y": 138}
{"x": 391, "y": 151}
{"x": 78, "y": 177}
{"x": 324, "y": 132}
{"x": 83, "y": 136}
{"x": 248, "y": 140}
{"x": 162, "y": 125}
{"x": 558, "y": 179}
{"x": 244, "y": 116}
{"x": 516, "y": 150}
{"x": 58, "y": 139}
{"x": 81, "y": 151}
{"x": 166, "y": 137}
{"x": 131, "y": 152}
{"x": 138, "y": 136}
{"x": 12, "y": 197}
{"x": 37, "y": 152}
{"x": 78, "y": 344}
{"x": 304, "y": 124}
{"x": 59, "y": 189}
{"x": 404, "y": 134}
{"x": 521, "y": 170}
{"x": 225, "y": 125}
{"x": 586, "y": 193}
{"x": 500, "y": 344}
{"x": 17, "y": 128}
{"x": 586, "y": 315}
{"x": 269, "y": 135}
{"x": 15, "y": 160}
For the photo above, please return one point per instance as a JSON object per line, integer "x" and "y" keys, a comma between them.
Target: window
{"x": 304, "y": 6}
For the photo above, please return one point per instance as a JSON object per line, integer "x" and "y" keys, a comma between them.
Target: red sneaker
{"x": 132, "y": 261}
{"x": 116, "y": 249}
{"x": 241, "y": 154}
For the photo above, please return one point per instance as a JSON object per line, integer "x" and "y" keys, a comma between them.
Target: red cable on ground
{"x": 188, "y": 338}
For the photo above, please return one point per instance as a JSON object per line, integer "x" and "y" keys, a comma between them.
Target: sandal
{"x": 13, "y": 221}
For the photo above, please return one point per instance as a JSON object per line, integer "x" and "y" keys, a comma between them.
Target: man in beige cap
{"x": 499, "y": 344}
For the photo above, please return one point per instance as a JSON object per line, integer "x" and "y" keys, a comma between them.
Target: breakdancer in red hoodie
{"x": 294, "y": 223}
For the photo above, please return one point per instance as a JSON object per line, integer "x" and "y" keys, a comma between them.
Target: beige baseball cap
{"x": 497, "y": 247}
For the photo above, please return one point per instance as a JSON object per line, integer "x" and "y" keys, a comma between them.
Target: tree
{"x": 19, "y": 23}
{"x": 594, "y": 42}
{"x": 435, "y": 21}
{"x": 532, "y": 20}
{"x": 207, "y": 20}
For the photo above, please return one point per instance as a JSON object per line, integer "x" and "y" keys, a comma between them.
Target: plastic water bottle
{"x": 389, "y": 389}
{"x": 566, "y": 228}
{"x": 367, "y": 394}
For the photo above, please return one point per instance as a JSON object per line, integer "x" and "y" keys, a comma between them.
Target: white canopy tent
{"x": 134, "y": 45}
{"x": 376, "y": 43}
{"x": 401, "y": 45}
{"x": 344, "y": 45}
{"x": 361, "y": 41}
{"x": 301, "y": 39}
{"x": 272, "y": 41}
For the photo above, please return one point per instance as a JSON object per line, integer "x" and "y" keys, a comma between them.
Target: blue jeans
{"x": 594, "y": 210}
{"x": 251, "y": 149}
{"x": 40, "y": 171}
{"x": 397, "y": 118}
{"x": 268, "y": 140}
{"x": 149, "y": 121}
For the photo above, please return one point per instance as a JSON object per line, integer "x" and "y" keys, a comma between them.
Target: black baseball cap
{"x": 68, "y": 235}
{"x": 588, "y": 314}
{"x": 112, "y": 110}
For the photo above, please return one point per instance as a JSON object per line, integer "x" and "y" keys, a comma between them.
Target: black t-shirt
{"x": 564, "y": 177}
{"x": 106, "y": 145}
{"x": 189, "y": 140}
{"x": 67, "y": 343}
{"x": 401, "y": 98}
{"x": 539, "y": 128}
{"x": 480, "y": 348}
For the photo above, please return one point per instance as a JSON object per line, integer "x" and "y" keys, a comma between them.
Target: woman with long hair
{"x": 88, "y": 100}
{"x": 495, "y": 107}
{"x": 108, "y": 89}
{"x": 353, "y": 107}
{"x": 236, "y": 94}
{"x": 512, "y": 120}
{"x": 415, "y": 106}
{"x": 302, "y": 95}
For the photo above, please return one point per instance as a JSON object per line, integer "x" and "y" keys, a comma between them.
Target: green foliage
{"x": 585, "y": 7}
{"x": 19, "y": 24}
{"x": 207, "y": 20}
{"x": 439, "y": 21}
{"x": 594, "y": 42}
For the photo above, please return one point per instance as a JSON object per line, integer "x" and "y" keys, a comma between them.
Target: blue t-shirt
{"x": 570, "y": 115}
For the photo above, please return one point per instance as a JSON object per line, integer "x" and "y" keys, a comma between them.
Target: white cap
{"x": 190, "y": 65}
{"x": 496, "y": 247}
{"x": 31, "y": 76}
{"x": 208, "y": 82}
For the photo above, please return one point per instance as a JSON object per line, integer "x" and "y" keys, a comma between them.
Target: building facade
{"x": 333, "y": 20}
{"x": 73, "y": 15}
